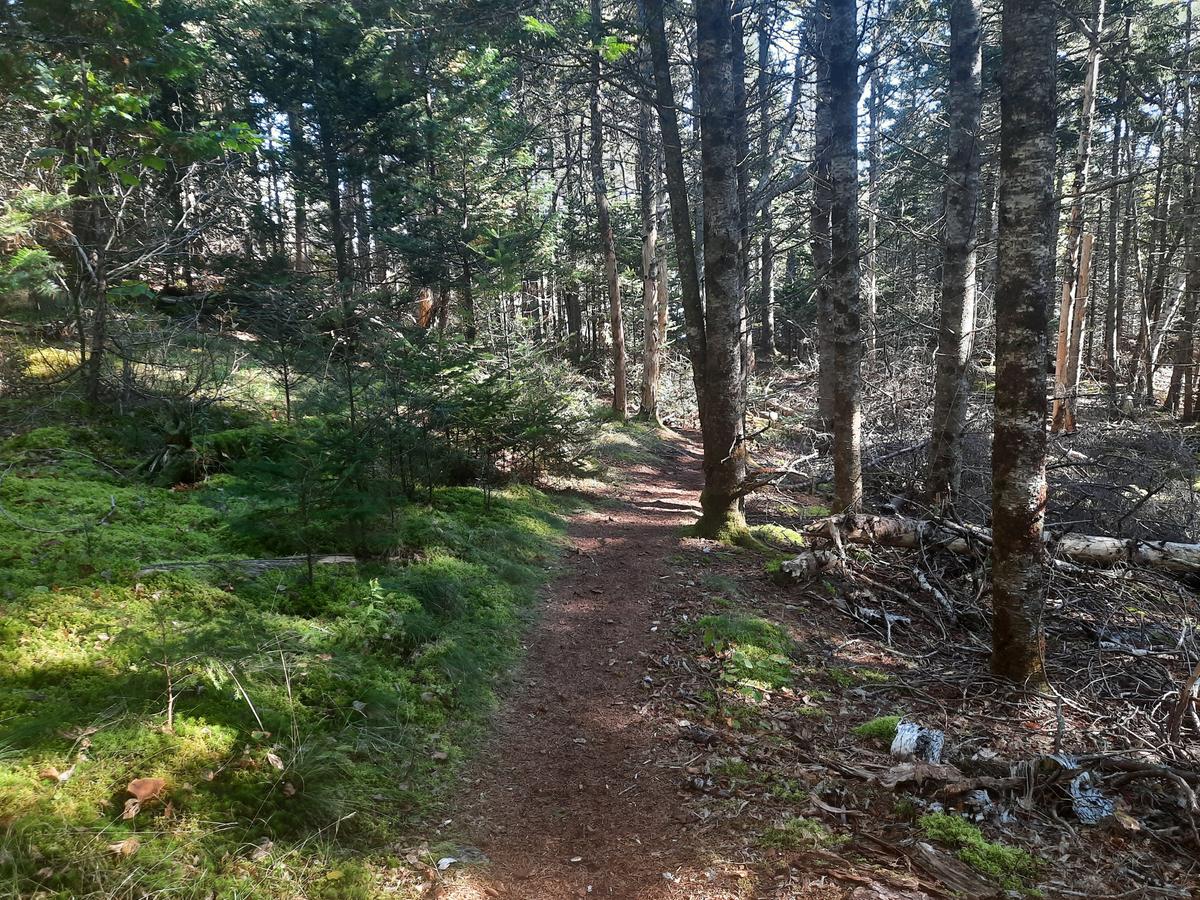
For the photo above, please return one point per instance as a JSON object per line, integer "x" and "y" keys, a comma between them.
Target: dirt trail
{"x": 570, "y": 799}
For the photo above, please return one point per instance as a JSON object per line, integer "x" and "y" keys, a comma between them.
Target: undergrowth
{"x": 754, "y": 652}
{"x": 1010, "y": 867}
{"x": 298, "y": 727}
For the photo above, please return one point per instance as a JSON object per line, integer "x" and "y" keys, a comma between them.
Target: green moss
{"x": 778, "y": 536}
{"x": 799, "y": 833}
{"x": 733, "y": 767}
{"x": 882, "y": 729}
{"x": 1011, "y": 867}
{"x": 725, "y": 631}
{"x": 294, "y": 705}
{"x": 790, "y": 790}
{"x": 754, "y": 652}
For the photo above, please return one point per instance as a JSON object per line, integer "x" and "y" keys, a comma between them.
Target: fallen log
{"x": 1086, "y": 549}
{"x": 251, "y": 567}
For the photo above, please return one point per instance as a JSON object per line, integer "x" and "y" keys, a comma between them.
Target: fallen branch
{"x": 248, "y": 566}
{"x": 1088, "y": 549}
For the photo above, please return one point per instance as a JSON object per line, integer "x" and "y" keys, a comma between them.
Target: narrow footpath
{"x": 570, "y": 798}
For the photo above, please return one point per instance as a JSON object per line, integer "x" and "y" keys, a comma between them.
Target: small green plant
{"x": 881, "y": 729}
{"x": 733, "y": 767}
{"x": 799, "y": 833}
{"x": 790, "y": 790}
{"x": 905, "y": 809}
{"x": 755, "y": 652}
{"x": 1011, "y": 867}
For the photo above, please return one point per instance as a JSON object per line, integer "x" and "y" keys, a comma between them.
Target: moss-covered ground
{"x": 300, "y": 729}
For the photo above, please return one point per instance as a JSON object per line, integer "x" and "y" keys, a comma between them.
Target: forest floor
{"x": 686, "y": 726}
{"x": 576, "y": 794}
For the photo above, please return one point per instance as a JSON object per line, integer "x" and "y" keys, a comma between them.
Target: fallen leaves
{"x": 127, "y": 847}
{"x": 143, "y": 791}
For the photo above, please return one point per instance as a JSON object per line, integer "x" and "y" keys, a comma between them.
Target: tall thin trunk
{"x": 741, "y": 132}
{"x": 604, "y": 224}
{"x": 870, "y": 274}
{"x": 844, "y": 286}
{"x": 362, "y": 231}
{"x": 647, "y": 169}
{"x": 822, "y": 200}
{"x": 956, "y": 332}
{"x": 724, "y": 404}
{"x": 1025, "y": 277}
{"x": 1111, "y": 362}
{"x": 333, "y": 197}
{"x": 677, "y": 191}
{"x": 766, "y": 259}
{"x": 1070, "y": 316}
{"x": 467, "y": 293}
{"x": 299, "y": 203}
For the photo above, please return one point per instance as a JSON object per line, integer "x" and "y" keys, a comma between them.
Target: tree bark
{"x": 844, "y": 286}
{"x": 766, "y": 260}
{"x": 604, "y": 224}
{"x": 677, "y": 192}
{"x": 956, "y": 332}
{"x": 1070, "y": 316}
{"x": 821, "y": 203}
{"x": 1024, "y": 283}
{"x": 724, "y": 440}
{"x": 870, "y": 273}
{"x": 1111, "y": 360}
{"x": 647, "y": 168}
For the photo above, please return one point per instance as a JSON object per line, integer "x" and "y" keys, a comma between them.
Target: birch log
{"x": 1087, "y": 549}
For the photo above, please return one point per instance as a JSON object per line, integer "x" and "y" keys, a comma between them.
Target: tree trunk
{"x": 1186, "y": 354}
{"x": 677, "y": 191}
{"x": 1024, "y": 283}
{"x": 844, "y": 287}
{"x": 741, "y": 132}
{"x": 822, "y": 199}
{"x": 620, "y": 402}
{"x": 724, "y": 404}
{"x": 1070, "y": 315}
{"x": 1111, "y": 361}
{"x": 870, "y": 273}
{"x": 333, "y": 196}
{"x": 766, "y": 260}
{"x": 300, "y": 215}
{"x": 956, "y": 332}
{"x": 647, "y": 167}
